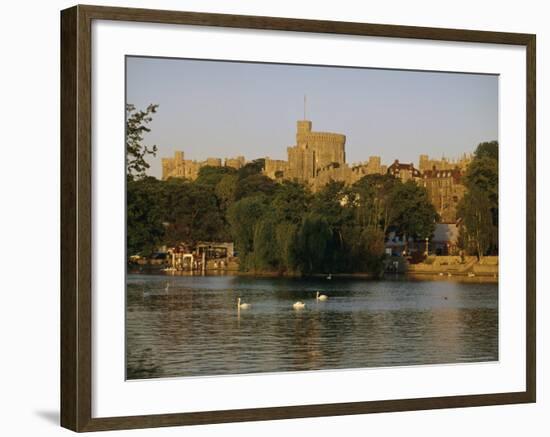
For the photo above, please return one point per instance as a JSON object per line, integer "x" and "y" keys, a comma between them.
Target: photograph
{"x": 290, "y": 217}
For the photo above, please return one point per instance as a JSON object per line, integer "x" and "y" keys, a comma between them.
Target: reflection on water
{"x": 194, "y": 327}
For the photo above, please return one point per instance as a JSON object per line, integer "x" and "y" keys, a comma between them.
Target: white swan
{"x": 242, "y": 306}
{"x": 299, "y": 305}
{"x": 167, "y": 287}
{"x": 321, "y": 297}
{"x": 329, "y": 276}
{"x": 471, "y": 275}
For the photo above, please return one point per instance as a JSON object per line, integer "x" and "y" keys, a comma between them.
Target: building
{"x": 405, "y": 172}
{"x": 179, "y": 167}
{"x": 318, "y": 158}
{"x": 445, "y": 239}
{"x": 445, "y": 190}
{"x": 425, "y": 163}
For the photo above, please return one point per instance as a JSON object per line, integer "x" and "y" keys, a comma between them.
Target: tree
{"x": 265, "y": 255}
{"x": 136, "y": 127}
{"x": 210, "y": 175}
{"x": 226, "y": 190}
{"x": 144, "y": 216}
{"x": 251, "y": 168}
{"x": 285, "y": 235}
{"x": 478, "y": 209}
{"x": 313, "y": 240}
{"x": 487, "y": 150}
{"x": 290, "y": 201}
{"x": 253, "y": 185}
{"x": 192, "y": 213}
{"x": 413, "y": 215}
{"x": 477, "y": 233}
{"x": 243, "y": 216}
{"x": 374, "y": 200}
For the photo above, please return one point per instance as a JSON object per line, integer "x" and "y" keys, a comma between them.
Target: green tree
{"x": 313, "y": 240}
{"x": 375, "y": 203}
{"x": 243, "y": 216}
{"x": 285, "y": 235}
{"x": 265, "y": 254}
{"x": 413, "y": 215}
{"x": 478, "y": 209}
{"x": 226, "y": 190}
{"x": 192, "y": 213}
{"x": 210, "y": 175}
{"x": 251, "y": 168}
{"x": 290, "y": 201}
{"x": 136, "y": 128}
{"x": 487, "y": 150}
{"x": 144, "y": 216}
{"x": 253, "y": 185}
{"x": 477, "y": 233}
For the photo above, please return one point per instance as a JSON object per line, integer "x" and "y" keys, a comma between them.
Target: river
{"x": 193, "y": 327}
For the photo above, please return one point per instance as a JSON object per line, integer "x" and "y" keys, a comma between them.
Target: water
{"x": 195, "y": 329}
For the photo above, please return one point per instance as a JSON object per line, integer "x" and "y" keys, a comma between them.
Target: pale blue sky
{"x": 224, "y": 109}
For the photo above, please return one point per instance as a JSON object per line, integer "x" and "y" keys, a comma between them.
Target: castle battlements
{"x": 318, "y": 158}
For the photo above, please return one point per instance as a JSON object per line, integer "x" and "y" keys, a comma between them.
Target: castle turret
{"x": 303, "y": 129}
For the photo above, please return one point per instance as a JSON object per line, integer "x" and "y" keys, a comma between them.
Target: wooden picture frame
{"x": 76, "y": 218}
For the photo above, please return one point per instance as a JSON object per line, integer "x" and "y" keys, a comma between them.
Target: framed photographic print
{"x": 268, "y": 218}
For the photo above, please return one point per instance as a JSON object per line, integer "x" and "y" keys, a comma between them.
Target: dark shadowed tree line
{"x": 278, "y": 227}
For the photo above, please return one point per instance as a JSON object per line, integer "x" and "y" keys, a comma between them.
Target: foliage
{"x": 242, "y": 217}
{"x": 144, "y": 221}
{"x": 209, "y": 175}
{"x": 136, "y": 127}
{"x": 191, "y": 212}
{"x": 254, "y": 184}
{"x": 477, "y": 234}
{"x": 413, "y": 215}
{"x": 251, "y": 168}
{"x": 313, "y": 240}
{"x": 478, "y": 210}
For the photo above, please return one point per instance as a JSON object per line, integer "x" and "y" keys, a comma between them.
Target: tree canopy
{"x": 478, "y": 210}
{"x": 136, "y": 128}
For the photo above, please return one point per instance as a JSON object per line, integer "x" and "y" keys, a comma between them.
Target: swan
{"x": 329, "y": 276}
{"x": 242, "y": 306}
{"x": 321, "y": 296}
{"x": 167, "y": 287}
{"x": 299, "y": 305}
{"x": 471, "y": 275}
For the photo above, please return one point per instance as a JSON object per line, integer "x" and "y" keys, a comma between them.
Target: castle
{"x": 320, "y": 157}
{"x": 179, "y": 167}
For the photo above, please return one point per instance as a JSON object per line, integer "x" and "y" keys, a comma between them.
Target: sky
{"x": 225, "y": 109}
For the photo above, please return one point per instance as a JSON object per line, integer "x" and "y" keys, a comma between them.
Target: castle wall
{"x": 445, "y": 191}
{"x": 319, "y": 158}
{"x": 275, "y": 168}
{"x": 179, "y": 167}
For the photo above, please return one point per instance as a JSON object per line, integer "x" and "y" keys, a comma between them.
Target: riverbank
{"x": 413, "y": 276}
{"x": 471, "y": 268}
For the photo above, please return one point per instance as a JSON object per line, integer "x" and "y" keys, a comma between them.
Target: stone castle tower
{"x": 313, "y": 152}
